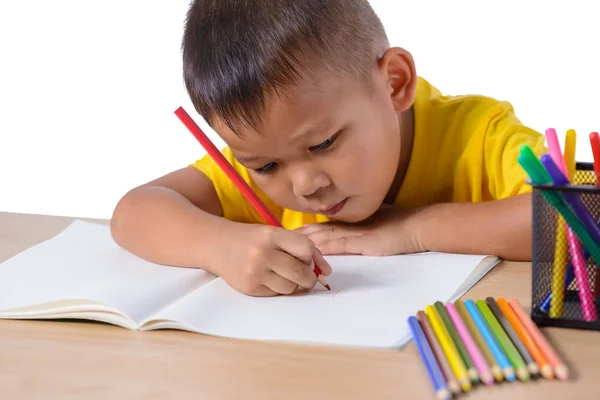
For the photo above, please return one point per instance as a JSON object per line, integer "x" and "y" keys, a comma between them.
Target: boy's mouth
{"x": 334, "y": 209}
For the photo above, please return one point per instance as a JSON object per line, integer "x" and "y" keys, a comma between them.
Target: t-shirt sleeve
{"x": 504, "y": 138}
{"x": 234, "y": 204}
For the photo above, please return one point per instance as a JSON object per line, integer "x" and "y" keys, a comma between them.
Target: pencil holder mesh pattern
{"x": 559, "y": 298}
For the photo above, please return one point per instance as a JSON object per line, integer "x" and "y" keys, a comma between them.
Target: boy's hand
{"x": 389, "y": 231}
{"x": 268, "y": 261}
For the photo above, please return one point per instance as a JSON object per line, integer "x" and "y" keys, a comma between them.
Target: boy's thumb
{"x": 321, "y": 262}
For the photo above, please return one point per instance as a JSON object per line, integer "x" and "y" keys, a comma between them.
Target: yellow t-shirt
{"x": 465, "y": 149}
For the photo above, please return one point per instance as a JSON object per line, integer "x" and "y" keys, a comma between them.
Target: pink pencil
{"x": 480, "y": 363}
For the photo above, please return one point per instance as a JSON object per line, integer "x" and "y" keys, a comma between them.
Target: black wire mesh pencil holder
{"x": 555, "y": 293}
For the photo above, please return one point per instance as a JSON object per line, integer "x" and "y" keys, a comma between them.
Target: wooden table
{"x": 81, "y": 360}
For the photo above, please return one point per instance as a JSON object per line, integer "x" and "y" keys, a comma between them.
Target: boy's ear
{"x": 397, "y": 67}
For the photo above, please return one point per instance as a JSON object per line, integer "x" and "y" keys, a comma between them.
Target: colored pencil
{"x": 433, "y": 369}
{"x": 546, "y": 303}
{"x": 569, "y": 153}
{"x": 456, "y": 362}
{"x": 481, "y": 343}
{"x": 470, "y": 345}
{"x": 238, "y": 181}
{"x": 560, "y": 369}
{"x": 595, "y": 143}
{"x": 491, "y": 340}
{"x": 469, "y": 364}
{"x": 526, "y": 338}
{"x": 509, "y": 348}
{"x": 560, "y": 258}
{"x": 512, "y": 334}
{"x": 438, "y": 353}
{"x": 559, "y": 269}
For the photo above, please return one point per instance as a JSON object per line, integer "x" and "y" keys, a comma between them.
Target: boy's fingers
{"x": 297, "y": 245}
{"x": 279, "y": 284}
{"x": 311, "y": 228}
{"x": 321, "y": 262}
{"x": 326, "y": 235}
{"x": 347, "y": 245}
{"x": 263, "y": 291}
{"x": 294, "y": 270}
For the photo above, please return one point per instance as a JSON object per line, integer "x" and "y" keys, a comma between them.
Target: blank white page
{"x": 84, "y": 263}
{"x": 369, "y": 304}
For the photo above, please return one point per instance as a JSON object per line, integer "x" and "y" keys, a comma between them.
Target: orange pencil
{"x": 237, "y": 180}
{"x": 560, "y": 369}
{"x": 526, "y": 338}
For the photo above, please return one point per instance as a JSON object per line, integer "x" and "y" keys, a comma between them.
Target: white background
{"x": 88, "y": 89}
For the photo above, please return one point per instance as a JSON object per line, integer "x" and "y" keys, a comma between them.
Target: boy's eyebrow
{"x": 244, "y": 160}
{"x": 323, "y": 125}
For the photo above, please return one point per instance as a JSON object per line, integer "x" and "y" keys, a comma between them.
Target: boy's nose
{"x": 306, "y": 183}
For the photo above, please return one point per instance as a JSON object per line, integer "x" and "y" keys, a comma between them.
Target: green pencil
{"x": 511, "y": 351}
{"x": 471, "y": 370}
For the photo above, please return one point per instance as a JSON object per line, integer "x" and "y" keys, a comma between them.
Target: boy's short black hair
{"x": 236, "y": 52}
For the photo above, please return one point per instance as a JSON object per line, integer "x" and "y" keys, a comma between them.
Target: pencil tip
{"x": 443, "y": 394}
{"x": 533, "y": 368}
{"x": 509, "y": 374}
{"x": 547, "y": 372}
{"x": 328, "y": 287}
{"x": 497, "y": 373}
{"x": 562, "y": 372}
{"x": 454, "y": 387}
{"x": 466, "y": 385}
{"x": 473, "y": 375}
{"x": 523, "y": 374}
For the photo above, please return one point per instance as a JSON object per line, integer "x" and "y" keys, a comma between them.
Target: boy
{"x": 346, "y": 145}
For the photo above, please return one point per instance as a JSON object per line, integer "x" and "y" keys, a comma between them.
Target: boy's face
{"x": 331, "y": 148}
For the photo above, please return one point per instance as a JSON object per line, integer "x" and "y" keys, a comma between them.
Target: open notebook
{"x": 82, "y": 273}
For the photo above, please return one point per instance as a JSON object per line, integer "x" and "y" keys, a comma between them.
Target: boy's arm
{"x": 499, "y": 227}
{"x": 166, "y": 220}
{"x": 502, "y": 226}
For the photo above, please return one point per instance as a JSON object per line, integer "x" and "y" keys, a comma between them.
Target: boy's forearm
{"x": 501, "y": 228}
{"x": 162, "y": 226}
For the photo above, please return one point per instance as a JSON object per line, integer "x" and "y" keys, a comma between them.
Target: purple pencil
{"x": 478, "y": 359}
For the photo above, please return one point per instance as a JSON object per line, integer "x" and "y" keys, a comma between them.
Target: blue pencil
{"x": 433, "y": 369}
{"x": 490, "y": 339}
{"x": 545, "y": 306}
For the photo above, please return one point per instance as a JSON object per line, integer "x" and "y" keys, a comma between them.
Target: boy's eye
{"x": 266, "y": 168}
{"x": 325, "y": 144}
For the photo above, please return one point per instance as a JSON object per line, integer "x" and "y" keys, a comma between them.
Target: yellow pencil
{"x": 560, "y": 250}
{"x": 560, "y": 269}
{"x": 450, "y": 350}
{"x": 569, "y": 153}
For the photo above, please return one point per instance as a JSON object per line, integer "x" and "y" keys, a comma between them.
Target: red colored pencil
{"x": 595, "y": 142}
{"x": 239, "y": 182}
